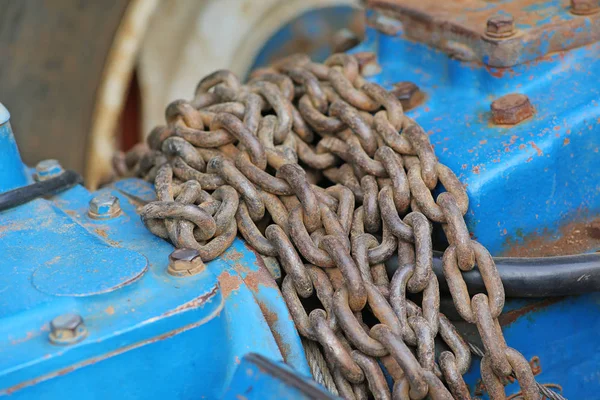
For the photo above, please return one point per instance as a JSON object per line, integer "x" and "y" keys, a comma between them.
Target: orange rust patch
{"x": 271, "y": 317}
{"x": 229, "y": 283}
{"x": 110, "y": 310}
{"x": 195, "y": 303}
{"x": 476, "y": 169}
{"x": 539, "y": 151}
{"x": 101, "y": 232}
{"x": 575, "y": 238}
{"x": 566, "y": 141}
{"x": 511, "y": 316}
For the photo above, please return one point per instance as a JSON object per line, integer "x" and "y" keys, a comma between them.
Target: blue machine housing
{"x": 153, "y": 335}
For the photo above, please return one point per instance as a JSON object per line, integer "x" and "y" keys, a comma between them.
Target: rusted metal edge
{"x": 523, "y": 46}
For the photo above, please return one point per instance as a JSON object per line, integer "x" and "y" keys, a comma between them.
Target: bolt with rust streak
{"x": 185, "y": 262}
{"x": 47, "y": 169}
{"x": 67, "y": 329}
{"x": 409, "y": 94}
{"x": 584, "y": 7}
{"x": 511, "y": 109}
{"x": 104, "y": 206}
{"x": 500, "y": 26}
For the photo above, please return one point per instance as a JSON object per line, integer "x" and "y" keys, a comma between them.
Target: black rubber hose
{"x": 532, "y": 277}
{"x": 49, "y": 187}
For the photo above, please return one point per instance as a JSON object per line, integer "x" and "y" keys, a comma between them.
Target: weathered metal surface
{"x": 541, "y": 27}
{"x": 140, "y": 323}
{"x": 532, "y": 183}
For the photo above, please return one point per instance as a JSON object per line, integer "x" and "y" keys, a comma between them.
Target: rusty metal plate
{"x": 458, "y": 27}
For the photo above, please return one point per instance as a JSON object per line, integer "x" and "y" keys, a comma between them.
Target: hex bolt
{"x": 104, "y": 206}
{"x": 67, "y": 329}
{"x": 185, "y": 262}
{"x": 500, "y": 26}
{"x": 47, "y": 169}
{"x": 584, "y": 7}
{"x": 511, "y": 109}
{"x": 409, "y": 94}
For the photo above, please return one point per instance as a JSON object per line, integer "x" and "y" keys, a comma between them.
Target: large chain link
{"x": 317, "y": 167}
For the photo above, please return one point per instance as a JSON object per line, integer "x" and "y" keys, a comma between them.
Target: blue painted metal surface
{"x": 527, "y": 183}
{"x": 12, "y": 171}
{"x": 151, "y": 335}
{"x": 527, "y": 180}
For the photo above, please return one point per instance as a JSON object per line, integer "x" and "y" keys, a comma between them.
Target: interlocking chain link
{"x": 317, "y": 167}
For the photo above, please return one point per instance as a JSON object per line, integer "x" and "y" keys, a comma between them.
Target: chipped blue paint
{"x": 549, "y": 164}
{"x": 151, "y": 335}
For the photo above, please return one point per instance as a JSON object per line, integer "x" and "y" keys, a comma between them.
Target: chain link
{"x": 321, "y": 169}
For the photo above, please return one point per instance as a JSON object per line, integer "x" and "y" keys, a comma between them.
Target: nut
{"x": 511, "y": 109}
{"x": 500, "y": 26}
{"x": 409, "y": 94}
{"x": 47, "y": 169}
{"x": 67, "y": 329}
{"x": 584, "y": 7}
{"x": 104, "y": 206}
{"x": 185, "y": 262}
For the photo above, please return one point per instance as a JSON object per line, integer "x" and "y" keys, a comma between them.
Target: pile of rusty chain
{"x": 323, "y": 170}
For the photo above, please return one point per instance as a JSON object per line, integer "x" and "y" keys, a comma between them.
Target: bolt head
{"x": 185, "y": 262}
{"x": 511, "y": 109}
{"x": 67, "y": 329}
{"x": 584, "y": 7}
{"x": 47, "y": 169}
{"x": 104, "y": 206}
{"x": 500, "y": 26}
{"x": 409, "y": 94}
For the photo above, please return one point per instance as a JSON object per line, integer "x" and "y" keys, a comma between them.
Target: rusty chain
{"x": 317, "y": 167}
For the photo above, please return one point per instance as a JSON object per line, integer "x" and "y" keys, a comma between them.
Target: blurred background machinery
{"x": 102, "y": 73}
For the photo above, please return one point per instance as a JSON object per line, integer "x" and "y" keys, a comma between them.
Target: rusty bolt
{"x": 409, "y": 94}
{"x": 344, "y": 40}
{"x": 47, "y": 169}
{"x": 67, "y": 329}
{"x": 584, "y": 7}
{"x": 511, "y": 109}
{"x": 500, "y": 26}
{"x": 185, "y": 262}
{"x": 104, "y": 206}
